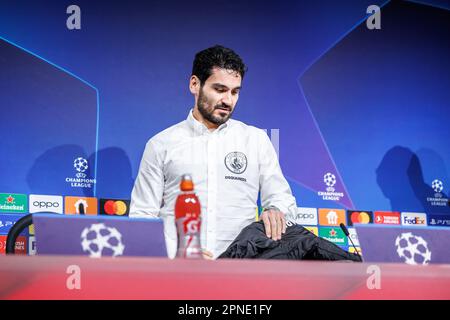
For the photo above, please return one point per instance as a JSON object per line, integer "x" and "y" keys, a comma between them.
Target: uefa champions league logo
{"x": 81, "y": 165}
{"x": 99, "y": 240}
{"x": 330, "y": 194}
{"x": 81, "y": 179}
{"x": 439, "y": 199}
{"x": 330, "y": 181}
{"x": 412, "y": 249}
{"x": 437, "y": 186}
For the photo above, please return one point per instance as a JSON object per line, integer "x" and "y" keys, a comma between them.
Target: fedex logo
{"x": 414, "y": 219}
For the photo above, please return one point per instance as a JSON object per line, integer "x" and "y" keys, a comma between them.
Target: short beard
{"x": 202, "y": 100}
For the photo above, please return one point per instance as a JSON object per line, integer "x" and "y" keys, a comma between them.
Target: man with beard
{"x": 230, "y": 162}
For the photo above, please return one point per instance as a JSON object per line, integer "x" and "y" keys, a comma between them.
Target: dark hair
{"x": 216, "y": 56}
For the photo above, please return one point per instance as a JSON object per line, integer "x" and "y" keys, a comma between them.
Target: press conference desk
{"x": 45, "y": 277}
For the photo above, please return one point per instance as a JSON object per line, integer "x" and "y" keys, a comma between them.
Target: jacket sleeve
{"x": 274, "y": 188}
{"x": 147, "y": 194}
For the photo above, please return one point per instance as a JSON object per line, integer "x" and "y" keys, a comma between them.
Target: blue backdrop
{"x": 368, "y": 107}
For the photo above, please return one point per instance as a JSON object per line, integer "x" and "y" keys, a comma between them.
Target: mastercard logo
{"x": 115, "y": 207}
{"x": 360, "y": 217}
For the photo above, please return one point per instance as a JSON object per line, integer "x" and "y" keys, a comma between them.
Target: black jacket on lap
{"x": 296, "y": 243}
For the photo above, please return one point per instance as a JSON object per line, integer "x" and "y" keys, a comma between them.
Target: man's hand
{"x": 274, "y": 223}
{"x": 207, "y": 254}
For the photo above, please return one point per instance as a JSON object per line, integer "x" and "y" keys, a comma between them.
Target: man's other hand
{"x": 274, "y": 223}
{"x": 207, "y": 254}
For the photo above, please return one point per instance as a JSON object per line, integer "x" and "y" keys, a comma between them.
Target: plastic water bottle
{"x": 188, "y": 220}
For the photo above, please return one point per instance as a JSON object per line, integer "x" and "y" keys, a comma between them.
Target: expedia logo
{"x": 44, "y": 203}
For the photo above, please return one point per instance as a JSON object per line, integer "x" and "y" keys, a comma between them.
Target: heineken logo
{"x": 333, "y": 234}
{"x": 13, "y": 203}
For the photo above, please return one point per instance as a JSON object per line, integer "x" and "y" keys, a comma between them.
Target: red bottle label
{"x": 187, "y": 205}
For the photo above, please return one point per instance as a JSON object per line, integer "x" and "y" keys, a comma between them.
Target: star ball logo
{"x": 329, "y": 180}
{"x": 81, "y": 179}
{"x": 114, "y": 207}
{"x": 81, "y": 165}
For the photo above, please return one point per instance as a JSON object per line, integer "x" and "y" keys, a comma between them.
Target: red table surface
{"x": 45, "y": 277}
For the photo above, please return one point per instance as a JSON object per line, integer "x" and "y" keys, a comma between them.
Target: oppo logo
{"x": 45, "y": 204}
{"x": 304, "y": 216}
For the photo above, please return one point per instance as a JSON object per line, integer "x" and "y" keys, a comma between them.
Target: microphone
{"x": 344, "y": 228}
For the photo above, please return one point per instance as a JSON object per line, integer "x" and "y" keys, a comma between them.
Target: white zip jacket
{"x": 229, "y": 166}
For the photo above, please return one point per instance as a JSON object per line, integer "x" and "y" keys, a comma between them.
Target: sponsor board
{"x": 362, "y": 217}
{"x": 114, "y": 207}
{"x": 333, "y": 234}
{"x": 354, "y": 236}
{"x": 13, "y": 203}
{"x": 8, "y": 220}
{"x": 387, "y": 217}
{"x": 21, "y": 245}
{"x": 414, "y": 219}
{"x": 331, "y": 217}
{"x": 304, "y": 216}
{"x": 31, "y": 246}
{"x": 314, "y": 230}
{"x": 436, "y": 220}
{"x": 46, "y": 203}
{"x": 81, "y": 205}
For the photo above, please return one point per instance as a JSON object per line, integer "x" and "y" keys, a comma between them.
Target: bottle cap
{"x": 186, "y": 183}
